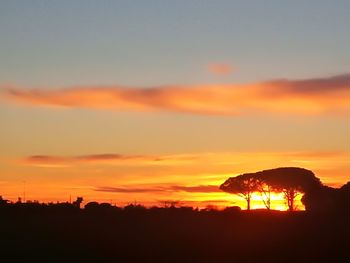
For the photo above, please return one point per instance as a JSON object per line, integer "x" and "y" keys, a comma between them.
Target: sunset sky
{"x": 146, "y": 101}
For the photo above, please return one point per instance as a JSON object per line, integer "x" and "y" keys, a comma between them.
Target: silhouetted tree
{"x": 344, "y": 197}
{"x": 265, "y": 191}
{"x": 243, "y": 185}
{"x": 91, "y": 206}
{"x": 321, "y": 199}
{"x": 3, "y": 201}
{"x": 78, "y": 202}
{"x": 291, "y": 181}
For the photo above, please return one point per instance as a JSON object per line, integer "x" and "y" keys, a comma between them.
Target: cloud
{"x": 209, "y": 168}
{"x": 196, "y": 189}
{"x": 214, "y": 158}
{"x": 115, "y": 159}
{"x": 329, "y": 95}
{"x": 220, "y": 68}
{"x": 128, "y": 189}
{"x": 160, "y": 188}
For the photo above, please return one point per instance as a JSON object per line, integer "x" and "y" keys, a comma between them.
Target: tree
{"x": 291, "y": 181}
{"x": 265, "y": 191}
{"x": 243, "y": 185}
{"x": 343, "y": 200}
{"x": 78, "y": 202}
{"x": 321, "y": 199}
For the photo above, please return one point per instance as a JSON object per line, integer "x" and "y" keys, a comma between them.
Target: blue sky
{"x": 144, "y": 43}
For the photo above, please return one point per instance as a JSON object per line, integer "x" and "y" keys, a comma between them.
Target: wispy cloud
{"x": 209, "y": 168}
{"x": 220, "y": 68}
{"x": 110, "y": 189}
{"x": 115, "y": 159}
{"x": 309, "y": 96}
{"x": 215, "y": 158}
{"x": 196, "y": 189}
{"x": 160, "y": 188}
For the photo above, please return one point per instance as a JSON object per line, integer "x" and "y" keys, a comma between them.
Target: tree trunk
{"x": 291, "y": 195}
{"x": 248, "y": 203}
{"x": 291, "y": 207}
{"x": 269, "y": 201}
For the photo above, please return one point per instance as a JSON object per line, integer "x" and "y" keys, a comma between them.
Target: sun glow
{"x": 222, "y": 200}
{"x": 277, "y": 202}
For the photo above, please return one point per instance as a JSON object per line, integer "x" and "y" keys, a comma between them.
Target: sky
{"x": 146, "y": 101}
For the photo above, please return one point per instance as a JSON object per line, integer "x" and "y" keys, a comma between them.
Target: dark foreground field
{"x": 133, "y": 234}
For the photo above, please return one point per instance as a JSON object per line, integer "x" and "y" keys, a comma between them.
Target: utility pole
{"x": 24, "y": 191}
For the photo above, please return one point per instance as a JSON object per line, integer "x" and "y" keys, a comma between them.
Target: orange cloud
{"x": 220, "y": 68}
{"x": 311, "y": 96}
{"x": 115, "y": 159}
{"x": 161, "y": 188}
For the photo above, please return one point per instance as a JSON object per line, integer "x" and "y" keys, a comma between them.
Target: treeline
{"x": 95, "y": 207}
{"x": 100, "y": 232}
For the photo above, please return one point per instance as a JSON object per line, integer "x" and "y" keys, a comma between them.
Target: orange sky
{"x": 126, "y": 144}
{"x": 192, "y": 179}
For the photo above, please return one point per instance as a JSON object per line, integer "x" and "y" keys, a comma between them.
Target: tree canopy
{"x": 243, "y": 185}
{"x": 289, "y": 180}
